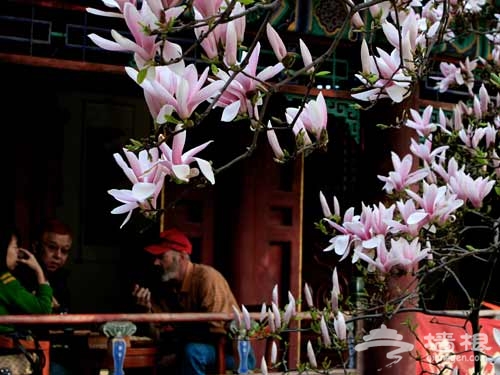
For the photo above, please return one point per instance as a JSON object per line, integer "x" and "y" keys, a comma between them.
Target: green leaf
{"x": 322, "y": 73}
{"x": 142, "y": 75}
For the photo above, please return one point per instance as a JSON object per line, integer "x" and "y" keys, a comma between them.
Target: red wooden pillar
{"x": 268, "y": 244}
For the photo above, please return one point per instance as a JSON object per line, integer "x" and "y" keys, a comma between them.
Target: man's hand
{"x": 142, "y": 296}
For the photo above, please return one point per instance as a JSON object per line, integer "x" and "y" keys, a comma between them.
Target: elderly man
{"x": 188, "y": 287}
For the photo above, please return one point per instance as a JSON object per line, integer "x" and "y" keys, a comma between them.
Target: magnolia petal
{"x": 277, "y": 315}
{"x": 274, "y": 294}
{"x": 128, "y": 171}
{"x": 341, "y": 244}
{"x": 181, "y": 172}
{"x": 324, "y": 205}
{"x": 311, "y": 356}
{"x": 340, "y": 326}
{"x": 206, "y": 169}
{"x": 306, "y": 55}
{"x": 263, "y": 310}
{"x": 276, "y": 42}
{"x": 246, "y": 317}
{"x": 237, "y": 316}
{"x": 105, "y": 43}
{"x": 127, "y": 218}
{"x": 263, "y": 366}
{"x": 127, "y": 207}
{"x": 143, "y": 190}
{"x": 231, "y": 111}
{"x": 102, "y": 13}
{"x": 416, "y": 217}
{"x": 166, "y": 110}
{"x": 308, "y": 295}
{"x": 274, "y": 352}
{"x": 324, "y": 332}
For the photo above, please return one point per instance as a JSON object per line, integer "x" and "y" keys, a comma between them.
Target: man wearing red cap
{"x": 200, "y": 288}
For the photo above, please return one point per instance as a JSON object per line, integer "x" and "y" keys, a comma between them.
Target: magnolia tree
{"x": 439, "y": 195}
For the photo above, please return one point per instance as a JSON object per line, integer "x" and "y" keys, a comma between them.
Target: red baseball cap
{"x": 170, "y": 239}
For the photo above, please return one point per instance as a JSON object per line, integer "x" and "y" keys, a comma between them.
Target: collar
{"x": 188, "y": 277}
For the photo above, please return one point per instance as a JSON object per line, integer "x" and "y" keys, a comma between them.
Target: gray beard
{"x": 167, "y": 276}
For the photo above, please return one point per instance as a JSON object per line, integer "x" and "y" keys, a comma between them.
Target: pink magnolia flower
{"x": 311, "y": 357}
{"x": 339, "y": 326}
{"x": 212, "y": 37}
{"x": 382, "y": 76}
{"x": 326, "y": 208}
{"x": 290, "y": 309}
{"x": 142, "y": 168}
{"x": 180, "y": 91}
{"x": 274, "y": 294}
{"x": 438, "y": 202}
{"x": 274, "y": 143}
{"x": 306, "y": 56}
{"x": 452, "y": 75}
{"x": 177, "y": 163}
{"x": 469, "y": 189}
{"x": 143, "y": 195}
{"x": 425, "y": 152}
{"x": 144, "y": 47}
{"x": 401, "y": 177}
{"x": 402, "y": 255}
{"x": 277, "y": 315}
{"x": 412, "y": 219}
{"x": 243, "y": 94}
{"x": 335, "y": 290}
{"x": 445, "y": 174}
{"x": 308, "y": 295}
{"x": 276, "y": 42}
{"x": 325, "y": 335}
{"x": 341, "y": 242}
{"x": 315, "y": 116}
{"x": 422, "y": 123}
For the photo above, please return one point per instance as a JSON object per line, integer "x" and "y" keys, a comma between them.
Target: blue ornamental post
{"x": 243, "y": 352}
{"x": 117, "y": 331}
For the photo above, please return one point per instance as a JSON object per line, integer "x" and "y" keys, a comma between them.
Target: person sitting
{"x": 16, "y": 299}
{"x": 52, "y": 247}
{"x": 187, "y": 287}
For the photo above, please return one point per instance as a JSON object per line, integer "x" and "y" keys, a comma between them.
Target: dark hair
{"x": 6, "y": 233}
{"x": 54, "y": 226}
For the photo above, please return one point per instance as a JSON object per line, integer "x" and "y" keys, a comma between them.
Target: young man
{"x": 188, "y": 287}
{"x": 52, "y": 247}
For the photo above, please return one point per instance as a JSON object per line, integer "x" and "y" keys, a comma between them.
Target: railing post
{"x": 116, "y": 332}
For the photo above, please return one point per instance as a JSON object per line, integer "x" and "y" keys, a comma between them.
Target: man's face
{"x": 54, "y": 250}
{"x": 170, "y": 264}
